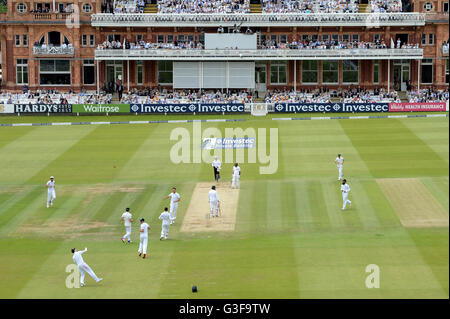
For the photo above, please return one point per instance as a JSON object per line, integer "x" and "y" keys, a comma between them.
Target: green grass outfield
{"x": 291, "y": 239}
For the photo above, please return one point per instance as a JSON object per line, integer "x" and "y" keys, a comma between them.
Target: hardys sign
{"x": 43, "y": 108}
{"x": 101, "y": 108}
{"x": 330, "y": 107}
{"x": 187, "y": 108}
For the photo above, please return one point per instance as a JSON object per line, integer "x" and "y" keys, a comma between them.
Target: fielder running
{"x": 165, "y": 217}
{"x": 236, "y": 176}
{"x": 175, "y": 198}
{"x": 214, "y": 202}
{"x": 345, "y": 189}
{"x": 82, "y": 266}
{"x": 340, "y": 163}
{"x": 216, "y": 164}
{"x": 51, "y": 195}
{"x": 127, "y": 220}
{"x": 143, "y": 238}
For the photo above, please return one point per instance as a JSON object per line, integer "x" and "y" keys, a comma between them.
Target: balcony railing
{"x": 69, "y": 50}
{"x": 258, "y": 20}
{"x": 279, "y": 54}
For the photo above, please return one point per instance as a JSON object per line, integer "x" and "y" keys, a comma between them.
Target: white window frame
{"x": 137, "y": 72}
{"x": 443, "y": 6}
{"x": 337, "y": 71}
{"x": 87, "y": 63}
{"x": 278, "y": 64}
{"x": 428, "y": 6}
{"x": 431, "y": 38}
{"x": 55, "y": 72}
{"x": 343, "y": 82}
{"x": 317, "y": 72}
{"x": 21, "y": 8}
{"x": 85, "y": 6}
{"x": 92, "y": 40}
{"x": 376, "y": 63}
{"x": 25, "y": 40}
{"x": 84, "y": 40}
{"x": 427, "y": 62}
{"x": 17, "y": 40}
{"x": 23, "y": 66}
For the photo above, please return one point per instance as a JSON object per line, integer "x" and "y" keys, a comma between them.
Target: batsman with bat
{"x": 214, "y": 202}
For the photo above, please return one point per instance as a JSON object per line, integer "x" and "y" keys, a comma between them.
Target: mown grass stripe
{"x": 273, "y": 206}
{"x": 45, "y": 144}
{"x": 319, "y": 209}
{"x": 303, "y": 207}
{"x": 382, "y": 208}
{"x": 331, "y": 192}
{"x": 258, "y": 219}
{"x": 111, "y": 206}
{"x": 244, "y": 216}
{"x": 287, "y": 206}
{"x": 28, "y": 206}
{"x": 113, "y": 220}
{"x": 363, "y": 207}
{"x": 9, "y": 209}
{"x": 438, "y": 186}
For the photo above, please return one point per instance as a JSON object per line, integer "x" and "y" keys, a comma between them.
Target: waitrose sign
{"x": 101, "y": 108}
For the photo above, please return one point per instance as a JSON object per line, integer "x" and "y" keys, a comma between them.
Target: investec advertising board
{"x": 187, "y": 108}
{"x": 101, "y": 108}
{"x": 330, "y": 107}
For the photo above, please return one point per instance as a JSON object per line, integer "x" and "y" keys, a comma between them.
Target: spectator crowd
{"x": 243, "y": 6}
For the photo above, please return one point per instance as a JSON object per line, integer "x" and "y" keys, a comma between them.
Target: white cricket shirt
{"x": 165, "y": 217}
{"x": 213, "y": 196}
{"x": 345, "y": 188}
{"x": 339, "y": 161}
{"x": 173, "y": 198}
{"x": 216, "y": 164}
{"x": 236, "y": 170}
{"x": 144, "y": 226}
{"x": 127, "y": 219}
{"x": 51, "y": 185}
{"x": 77, "y": 258}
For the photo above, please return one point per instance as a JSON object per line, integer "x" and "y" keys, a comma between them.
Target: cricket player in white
{"x": 214, "y": 201}
{"x": 82, "y": 266}
{"x": 175, "y": 198}
{"x": 340, "y": 163}
{"x": 216, "y": 164}
{"x": 143, "y": 238}
{"x": 51, "y": 195}
{"x": 127, "y": 220}
{"x": 345, "y": 189}
{"x": 166, "y": 221}
{"x": 236, "y": 176}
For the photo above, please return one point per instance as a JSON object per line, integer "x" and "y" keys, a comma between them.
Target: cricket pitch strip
{"x": 196, "y": 217}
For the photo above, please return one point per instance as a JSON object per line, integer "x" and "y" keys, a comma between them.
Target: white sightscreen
{"x": 212, "y": 75}
{"x": 186, "y": 75}
{"x": 230, "y": 40}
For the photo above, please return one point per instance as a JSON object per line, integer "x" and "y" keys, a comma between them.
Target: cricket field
{"x": 288, "y": 237}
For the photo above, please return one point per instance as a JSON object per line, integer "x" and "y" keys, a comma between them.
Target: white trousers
{"x": 128, "y": 233}
{"x": 173, "y": 211}
{"x": 214, "y": 207}
{"x": 165, "y": 230}
{"x": 51, "y": 196}
{"x": 143, "y": 245}
{"x": 85, "y": 268}
{"x": 235, "y": 181}
{"x": 340, "y": 172}
{"x": 345, "y": 200}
